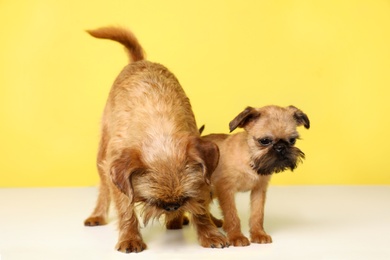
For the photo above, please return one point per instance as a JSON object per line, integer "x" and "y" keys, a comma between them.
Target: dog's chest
{"x": 247, "y": 180}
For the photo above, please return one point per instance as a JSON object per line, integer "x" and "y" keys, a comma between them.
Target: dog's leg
{"x": 258, "y": 197}
{"x": 177, "y": 222}
{"x": 100, "y": 214}
{"x": 231, "y": 224}
{"x": 216, "y": 221}
{"x": 130, "y": 239}
{"x": 208, "y": 233}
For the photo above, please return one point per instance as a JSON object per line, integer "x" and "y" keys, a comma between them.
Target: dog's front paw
{"x": 217, "y": 240}
{"x": 239, "y": 240}
{"x": 129, "y": 246}
{"x": 95, "y": 221}
{"x": 261, "y": 238}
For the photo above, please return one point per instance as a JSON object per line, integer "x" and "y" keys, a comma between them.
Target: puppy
{"x": 247, "y": 161}
{"x": 151, "y": 153}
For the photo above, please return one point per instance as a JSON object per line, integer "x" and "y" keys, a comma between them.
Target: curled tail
{"x": 123, "y": 36}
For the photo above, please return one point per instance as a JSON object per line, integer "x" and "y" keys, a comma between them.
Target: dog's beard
{"x": 155, "y": 198}
{"x": 273, "y": 162}
{"x": 150, "y": 210}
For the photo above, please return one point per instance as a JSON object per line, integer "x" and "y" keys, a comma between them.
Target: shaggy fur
{"x": 247, "y": 160}
{"x": 151, "y": 153}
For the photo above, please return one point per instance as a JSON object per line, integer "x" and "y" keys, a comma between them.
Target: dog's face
{"x": 170, "y": 185}
{"x": 272, "y": 136}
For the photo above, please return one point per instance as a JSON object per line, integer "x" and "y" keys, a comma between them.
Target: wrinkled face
{"x": 277, "y": 154}
{"x": 169, "y": 182}
{"x": 272, "y": 136}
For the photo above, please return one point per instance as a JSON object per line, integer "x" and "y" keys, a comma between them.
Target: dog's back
{"x": 146, "y": 94}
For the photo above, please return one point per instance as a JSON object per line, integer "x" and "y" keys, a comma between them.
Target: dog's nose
{"x": 171, "y": 206}
{"x": 280, "y": 147}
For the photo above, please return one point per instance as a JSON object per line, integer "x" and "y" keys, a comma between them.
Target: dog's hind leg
{"x": 100, "y": 214}
{"x": 217, "y": 222}
{"x": 177, "y": 222}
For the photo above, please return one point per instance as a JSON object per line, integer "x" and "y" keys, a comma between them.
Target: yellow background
{"x": 330, "y": 58}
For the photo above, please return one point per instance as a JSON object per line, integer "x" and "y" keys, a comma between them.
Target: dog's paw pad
{"x": 95, "y": 221}
{"x": 239, "y": 240}
{"x": 261, "y": 238}
{"x": 131, "y": 246}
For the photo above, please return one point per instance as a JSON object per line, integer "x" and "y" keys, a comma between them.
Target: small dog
{"x": 151, "y": 153}
{"x": 247, "y": 161}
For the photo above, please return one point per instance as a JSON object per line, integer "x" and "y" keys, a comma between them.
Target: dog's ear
{"x": 241, "y": 120}
{"x": 121, "y": 169}
{"x": 300, "y": 117}
{"x": 201, "y": 129}
{"x": 207, "y": 153}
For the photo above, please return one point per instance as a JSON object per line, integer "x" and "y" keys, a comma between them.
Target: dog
{"x": 247, "y": 161}
{"x": 151, "y": 154}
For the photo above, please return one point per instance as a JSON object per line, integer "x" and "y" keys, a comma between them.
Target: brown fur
{"x": 245, "y": 164}
{"x": 151, "y": 153}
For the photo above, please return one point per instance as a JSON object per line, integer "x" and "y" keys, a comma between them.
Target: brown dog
{"x": 151, "y": 152}
{"x": 247, "y": 160}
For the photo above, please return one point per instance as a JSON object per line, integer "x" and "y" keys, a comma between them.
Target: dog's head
{"x": 271, "y": 136}
{"x": 171, "y": 181}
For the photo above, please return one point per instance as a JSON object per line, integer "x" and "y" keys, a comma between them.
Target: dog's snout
{"x": 171, "y": 206}
{"x": 280, "y": 147}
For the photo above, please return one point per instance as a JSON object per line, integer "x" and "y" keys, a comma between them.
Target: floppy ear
{"x": 208, "y": 153}
{"x": 300, "y": 117}
{"x": 123, "y": 167}
{"x": 242, "y": 119}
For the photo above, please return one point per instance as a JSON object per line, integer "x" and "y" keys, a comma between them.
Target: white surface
{"x": 305, "y": 222}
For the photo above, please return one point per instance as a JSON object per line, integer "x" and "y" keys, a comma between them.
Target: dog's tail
{"x": 123, "y": 36}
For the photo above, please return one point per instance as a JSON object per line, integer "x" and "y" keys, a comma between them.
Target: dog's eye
{"x": 265, "y": 141}
{"x": 292, "y": 141}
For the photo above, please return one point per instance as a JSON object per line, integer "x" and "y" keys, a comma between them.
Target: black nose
{"x": 171, "y": 206}
{"x": 280, "y": 147}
